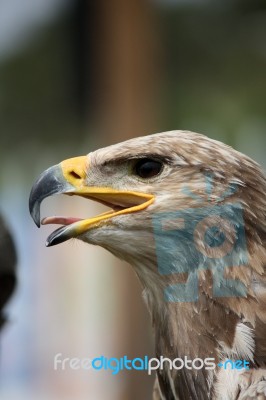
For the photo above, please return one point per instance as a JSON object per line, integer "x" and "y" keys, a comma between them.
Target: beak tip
{"x": 49, "y": 182}
{"x": 35, "y": 213}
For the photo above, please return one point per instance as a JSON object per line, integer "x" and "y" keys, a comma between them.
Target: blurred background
{"x": 76, "y": 75}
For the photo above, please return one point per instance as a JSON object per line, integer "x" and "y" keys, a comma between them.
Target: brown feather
{"x": 210, "y": 326}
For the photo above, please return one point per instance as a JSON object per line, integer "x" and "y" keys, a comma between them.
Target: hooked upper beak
{"x": 71, "y": 177}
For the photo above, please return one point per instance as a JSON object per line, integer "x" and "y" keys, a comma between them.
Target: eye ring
{"x": 147, "y": 168}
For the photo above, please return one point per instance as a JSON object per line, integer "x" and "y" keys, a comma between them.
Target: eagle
{"x": 189, "y": 214}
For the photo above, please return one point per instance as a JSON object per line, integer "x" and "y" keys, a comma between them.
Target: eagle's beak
{"x": 71, "y": 177}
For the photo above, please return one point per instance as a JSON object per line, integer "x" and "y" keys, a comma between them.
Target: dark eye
{"x": 147, "y": 168}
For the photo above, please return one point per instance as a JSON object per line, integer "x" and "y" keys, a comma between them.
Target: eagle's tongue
{"x": 59, "y": 220}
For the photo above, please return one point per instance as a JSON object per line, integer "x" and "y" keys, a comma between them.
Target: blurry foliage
{"x": 37, "y": 91}
{"x": 213, "y": 80}
{"x": 214, "y": 65}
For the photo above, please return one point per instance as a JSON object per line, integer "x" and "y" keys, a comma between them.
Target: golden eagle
{"x": 189, "y": 214}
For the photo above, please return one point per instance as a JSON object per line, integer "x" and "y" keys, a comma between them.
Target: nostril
{"x": 75, "y": 175}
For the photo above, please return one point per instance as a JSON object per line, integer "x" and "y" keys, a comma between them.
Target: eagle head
{"x": 188, "y": 213}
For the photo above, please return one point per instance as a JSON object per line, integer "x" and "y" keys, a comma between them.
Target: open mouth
{"x": 70, "y": 178}
{"x": 60, "y": 220}
{"x": 119, "y": 202}
{"x": 73, "y": 227}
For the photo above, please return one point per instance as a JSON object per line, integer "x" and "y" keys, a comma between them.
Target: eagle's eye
{"x": 147, "y": 168}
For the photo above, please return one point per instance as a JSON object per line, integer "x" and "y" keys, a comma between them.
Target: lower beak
{"x": 70, "y": 177}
